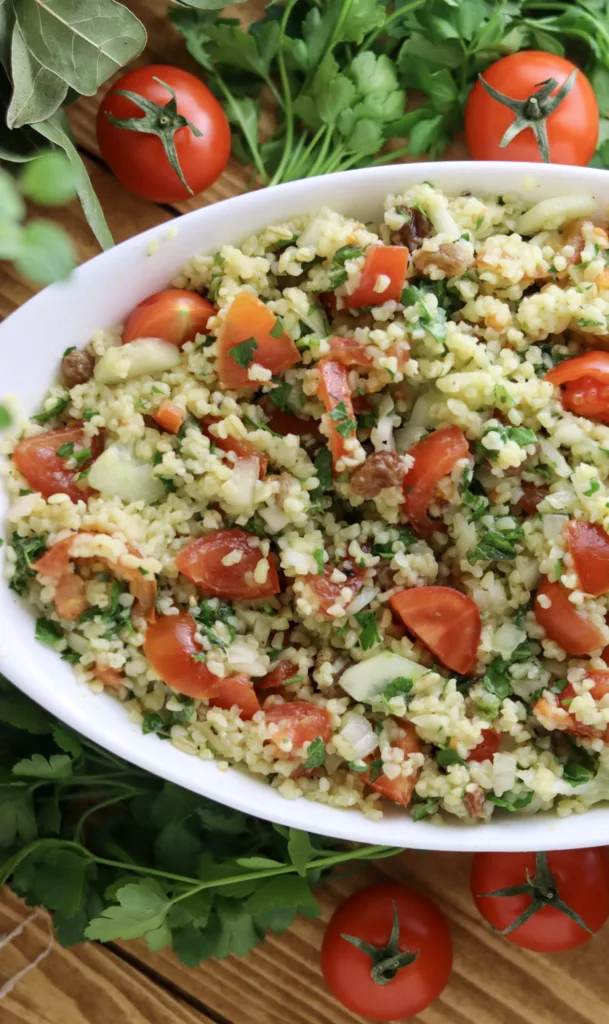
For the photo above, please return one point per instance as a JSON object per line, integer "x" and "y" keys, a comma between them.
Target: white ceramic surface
{"x": 98, "y": 295}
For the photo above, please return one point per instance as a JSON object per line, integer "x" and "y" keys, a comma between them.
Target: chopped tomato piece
{"x": 563, "y": 623}
{"x": 600, "y": 678}
{"x": 170, "y": 647}
{"x": 488, "y": 745}
{"x": 381, "y": 261}
{"x": 589, "y": 547}
{"x": 398, "y": 790}
{"x": 243, "y": 449}
{"x": 327, "y": 592}
{"x": 70, "y": 598}
{"x": 561, "y": 717}
{"x": 349, "y": 352}
{"x": 202, "y": 562}
{"x": 170, "y": 416}
{"x": 250, "y": 320}
{"x": 288, "y": 423}
{"x": 434, "y": 457}
{"x": 37, "y": 460}
{"x": 108, "y": 676}
{"x": 590, "y": 364}
{"x": 237, "y": 691}
{"x": 335, "y": 393}
{"x": 445, "y": 620}
{"x": 275, "y": 679}
{"x": 587, "y": 384}
{"x": 174, "y": 315}
{"x": 531, "y": 497}
{"x": 299, "y": 722}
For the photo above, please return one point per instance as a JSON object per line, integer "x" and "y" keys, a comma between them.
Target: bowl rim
{"x": 28, "y": 670}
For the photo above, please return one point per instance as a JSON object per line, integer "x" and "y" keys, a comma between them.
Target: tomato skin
{"x": 589, "y": 547}
{"x": 243, "y": 449}
{"x": 249, "y": 317}
{"x": 586, "y": 380}
{"x": 572, "y": 127}
{"x": 434, "y": 457}
{"x": 139, "y": 161}
{"x": 333, "y": 390}
{"x": 301, "y": 722}
{"x": 388, "y": 260}
{"x": 349, "y": 352}
{"x": 170, "y": 417}
{"x": 563, "y": 623}
{"x": 488, "y": 745}
{"x": 201, "y": 562}
{"x": 445, "y": 620}
{"x": 288, "y": 423}
{"x": 582, "y": 880}
{"x": 237, "y": 690}
{"x": 275, "y": 679}
{"x": 327, "y": 592}
{"x": 169, "y": 645}
{"x": 593, "y": 364}
{"x": 368, "y": 914}
{"x": 532, "y": 495}
{"x": 37, "y": 460}
{"x": 399, "y": 790}
{"x": 174, "y": 315}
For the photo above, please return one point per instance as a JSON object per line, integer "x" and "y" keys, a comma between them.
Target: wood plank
{"x": 85, "y": 985}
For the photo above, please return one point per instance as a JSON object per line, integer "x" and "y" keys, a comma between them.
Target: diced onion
{"x": 144, "y": 357}
{"x": 358, "y": 735}
{"x": 553, "y": 525}
{"x": 117, "y": 472}
{"x": 558, "y": 463}
{"x": 418, "y": 421}
{"x": 365, "y": 596}
{"x": 275, "y": 518}
{"x": 239, "y": 490}
{"x": 504, "y": 773}
{"x": 551, "y": 213}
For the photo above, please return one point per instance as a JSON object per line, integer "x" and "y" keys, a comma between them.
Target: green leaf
{"x": 423, "y": 135}
{"x": 576, "y": 774}
{"x": 447, "y": 757}
{"x": 400, "y": 687}
{"x": 57, "y": 766}
{"x": 243, "y": 354}
{"x": 27, "y": 551}
{"x": 59, "y": 880}
{"x": 83, "y": 44}
{"x": 369, "y": 635}
{"x": 17, "y": 817}
{"x": 344, "y": 424}
{"x": 437, "y": 53}
{"x": 280, "y": 395}
{"x": 142, "y": 909}
{"x": 237, "y": 931}
{"x": 258, "y": 863}
{"x": 208, "y": 5}
{"x": 323, "y": 472}
{"x": 46, "y": 254}
{"x": 48, "y": 632}
{"x": 316, "y": 753}
{"x": 364, "y": 138}
{"x": 61, "y": 404}
{"x": 37, "y": 91}
{"x": 12, "y": 207}
{"x": 20, "y": 712}
{"x": 337, "y": 96}
{"x": 192, "y": 944}
{"x": 510, "y": 801}
{"x": 49, "y": 180}
{"x": 300, "y": 850}
{"x": 469, "y": 16}
{"x": 282, "y": 891}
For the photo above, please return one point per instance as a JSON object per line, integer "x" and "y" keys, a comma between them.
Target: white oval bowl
{"x": 100, "y": 294}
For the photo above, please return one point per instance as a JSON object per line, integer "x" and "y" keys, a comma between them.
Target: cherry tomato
{"x": 381, "y": 260}
{"x": 249, "y": 320}
{"x": 170, "y": 416}
{"x": 445, "y": 620}
{"x": 327, "y": 592}
{"x": 299, "y": 722}
{"x": 569, "y": 628}
{"x": 398, "y": 790}
{"x": 275, "y": 679}
{"x": 586, "y": 380}
{"x": 572, "y": 127}
{"x": 365, "y": 980}
{"x": 349, "y": 352}
{"x": 37, "y": 460}
{"x": 488, "y": 745}
{"x": 335, "y": 393}
{"x": 170, "y": 647}
{"x": 243, "y": 449}
{"x": 139, "y": 160}
{"x": 589, "y": 547}
{"x": 581, "y": 881}
{"x": 237, "y": 691}
{"x": 593, "y": 364}
{"x": 434, "y": 457}
{"x": 531, "y": 497}
{"x": 201, "y": 562}
{"x": 175, "y": 316}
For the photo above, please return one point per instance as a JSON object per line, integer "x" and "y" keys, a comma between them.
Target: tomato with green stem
{"x": 533, "y": 106}
{"x": 163, "y": 133}
{"x": 547, "y": 902}
{"x": 387, "y": 952}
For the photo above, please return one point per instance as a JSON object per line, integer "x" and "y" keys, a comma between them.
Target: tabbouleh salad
{"x": 332, "y": 508}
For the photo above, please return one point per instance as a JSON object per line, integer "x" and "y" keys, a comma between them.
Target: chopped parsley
{"x": 511, "y": 801}
{"x": 207, "y": 615}
{"x": 48, "y": 632}
{"x": 316, "y": 753}
{"x": 424, "y": 809}
{"x": 347, "y": 252}
{"x": 277, "y": 329}
{"x": 595, "y": 486}
{"x": 323, "y": 472}
{"x": 89, "y": 413}
{"x": 318, "y": 555}
{"x": 384, "y": 549}
{"x": 243, "y": 354}
{"x": 576, "y": 774}
{"x": 369, "y": 636}
{"x": 447, "y": 756}
{"x": 497, "y": 679}
{"x": 522, "y": 436}
{"x": 259, "y": 425}
{"x": 27, "y": 551}
{"x": 60, "y": 406}
{"x": 399, "y": 687}
{"x": 344, "y": 424}
{"x": 280, "y": 395}
{"x": 434, "y": 323}
{"x": 496, "y": 545}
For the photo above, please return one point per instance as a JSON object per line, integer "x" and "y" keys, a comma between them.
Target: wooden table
{"x": 280, "y": 982}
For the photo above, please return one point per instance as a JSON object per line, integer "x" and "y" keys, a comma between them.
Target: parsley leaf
{"x": 243, "y": 354}
{"x": 48, "y": 632}
{"x": 60, "y": 406}
{"x": 318, "y": 555}
{"x": 27, "y": 551}
{"x": 344, "y": 424}
{"x": 323, "y": 472}
{"x": 316, "y": 753}
{"x": 369, "y": 635}
{"x": 399, "y": 687}
{"x": 496, "y": 545}
{"x": 280, "y": 395}
{"x": 447, "y": 756}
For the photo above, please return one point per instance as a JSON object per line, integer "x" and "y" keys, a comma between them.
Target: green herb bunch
{"x": 50, "y": 53}
{"x": 116, "y": 853}
{"x": 338, "y": 72}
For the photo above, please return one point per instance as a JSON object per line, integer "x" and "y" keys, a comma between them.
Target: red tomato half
{"x": 139, "y": 160}
{"x": 488, "y": 745}
{"x": 335, "y": 393}
{"x": 398, "y": 790}
{"x": 243, "y": 449}
{"x": 434, "y": 457}
{"x": 589, "y": 547}
{"x": 327, "y": 592}
{"x": 201, "y": 562}
{"x": 582, "y": 882}
{"x": 170, "y": 647}
{"x": 381, "y": 260}
{"x": 175, "y": 316}
{"x": 249, "y": 320}
{"x": 368, "y": 915}
{"x": 563, "y": 623}
{"x": 237, "y": 691}
{"x": 445, "y": 620}
{"x": 299, "y": 722}
{"x": 572, "y": 127}
{"x": 37, "y": 460}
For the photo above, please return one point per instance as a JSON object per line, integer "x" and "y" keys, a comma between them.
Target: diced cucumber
{"x": 366, "y": 681}
{"x": 146, "y": 356}
{"x": 117, "y": 472}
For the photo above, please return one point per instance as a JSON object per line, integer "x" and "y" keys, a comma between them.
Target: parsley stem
{"x": 399, "y": 12}
{"x": 318, "y": 164}
{"x": 100, "y": 806}
{"x": 287, "y": 96}
{"x": 251, "y": 141}
{"x": 295, "y": 166}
